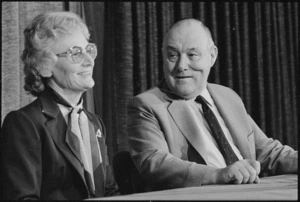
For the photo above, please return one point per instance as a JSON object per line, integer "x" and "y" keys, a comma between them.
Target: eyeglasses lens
{"x": 77, "y": 53}
{"x": 91, "y": 49}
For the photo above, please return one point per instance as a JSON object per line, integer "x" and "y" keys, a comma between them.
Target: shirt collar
{"x": 206, "y": 96}
{"x": 61, "y": 100}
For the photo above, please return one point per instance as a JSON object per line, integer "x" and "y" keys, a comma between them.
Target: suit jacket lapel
{"x": 234, "y": 117}
{"x": 182, "y": 116}
{"x": 97, "y": 132}
{"x": 73, "y": 143}
{"x": 58, "y": 129}
{"x": 184, "y": 119}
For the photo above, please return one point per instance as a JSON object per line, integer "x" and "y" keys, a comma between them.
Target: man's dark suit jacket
{"x": 38, "y": 163}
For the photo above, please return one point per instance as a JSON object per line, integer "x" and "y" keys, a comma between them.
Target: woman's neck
{"x": 72, "y": 97}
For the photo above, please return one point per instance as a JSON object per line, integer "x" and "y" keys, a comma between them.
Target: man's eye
{"x": 172, "y": 56}
{"x": 193, "y": 57}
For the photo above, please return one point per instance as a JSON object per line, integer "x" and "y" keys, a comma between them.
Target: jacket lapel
{"x": 73, "y": 143}
{"x": 97, "y": 133}
{"x": 184, "y": 119}
{"x": 235, "y": 118}
{"x": 58, "y": 129}
{"x": 230, "y": 109}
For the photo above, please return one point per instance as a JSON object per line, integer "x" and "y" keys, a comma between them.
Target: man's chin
{"x": 185, "y": 93}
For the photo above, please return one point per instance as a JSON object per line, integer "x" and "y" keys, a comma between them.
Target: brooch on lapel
{"x": 98, "y": 133}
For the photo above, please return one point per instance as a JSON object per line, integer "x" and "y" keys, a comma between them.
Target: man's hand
{"x": 241, "y": 172}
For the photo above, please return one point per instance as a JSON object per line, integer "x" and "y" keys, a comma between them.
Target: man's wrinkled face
{"x": 187, "y": 59}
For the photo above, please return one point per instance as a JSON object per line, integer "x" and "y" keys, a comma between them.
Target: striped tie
{"x": 216, "y": 130}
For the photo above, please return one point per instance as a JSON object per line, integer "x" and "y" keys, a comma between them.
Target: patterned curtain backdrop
{"x": 258, "y": 50}
{"x": 15, "y": 17}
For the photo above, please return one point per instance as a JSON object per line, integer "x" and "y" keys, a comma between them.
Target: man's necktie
{"x": 80, "y": 127}
{"x": 216, "y": 130}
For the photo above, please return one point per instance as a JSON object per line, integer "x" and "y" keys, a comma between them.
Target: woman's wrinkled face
{"x": 70, "y": 76}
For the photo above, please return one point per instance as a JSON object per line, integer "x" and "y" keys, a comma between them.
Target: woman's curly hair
{"x": 39, "y": 38}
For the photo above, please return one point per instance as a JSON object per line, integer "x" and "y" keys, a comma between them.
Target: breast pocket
{"x": 251, "y": 141}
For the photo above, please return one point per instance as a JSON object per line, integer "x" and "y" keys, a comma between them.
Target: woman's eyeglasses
{"x": 75, "y": 54}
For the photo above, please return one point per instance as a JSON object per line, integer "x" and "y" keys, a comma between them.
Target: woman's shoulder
{"x": 30, "y": 110}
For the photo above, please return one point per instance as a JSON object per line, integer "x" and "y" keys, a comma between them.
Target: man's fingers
{"x": 240, "y": 172}
{"x": 244, "y": 171}
{"x": 255, "y": 165}
{"x": 245, "y": 174}
{"x": 253, "y": 168}
{"x": 256, "y": 180}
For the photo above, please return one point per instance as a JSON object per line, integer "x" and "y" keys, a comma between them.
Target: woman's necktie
{"x": 80, "y": 127}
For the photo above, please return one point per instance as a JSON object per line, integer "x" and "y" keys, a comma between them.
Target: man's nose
{"x": 182, "y": 63}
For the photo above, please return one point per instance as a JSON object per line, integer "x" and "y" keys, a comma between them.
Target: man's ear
{"x": 213, "y": 54}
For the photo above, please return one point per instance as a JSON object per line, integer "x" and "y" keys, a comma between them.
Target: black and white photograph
{"x": 149, "y": 100}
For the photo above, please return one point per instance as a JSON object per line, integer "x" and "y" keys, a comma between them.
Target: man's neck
{"x": 174, "y": 95}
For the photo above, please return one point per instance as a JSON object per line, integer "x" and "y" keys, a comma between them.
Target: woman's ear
{"x": 45, "y": 71}
{"x": 46, "y": 65}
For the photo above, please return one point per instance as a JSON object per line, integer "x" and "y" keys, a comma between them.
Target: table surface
{"x": 280, "y": 187}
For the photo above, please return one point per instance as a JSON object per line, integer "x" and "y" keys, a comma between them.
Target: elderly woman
{"x": 53, "y": 148}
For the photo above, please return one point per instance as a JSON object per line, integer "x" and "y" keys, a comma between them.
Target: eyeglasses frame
{"x": 69, "y": 53}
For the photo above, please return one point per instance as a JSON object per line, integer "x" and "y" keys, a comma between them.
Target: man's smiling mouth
{"x": 183, "y": 77}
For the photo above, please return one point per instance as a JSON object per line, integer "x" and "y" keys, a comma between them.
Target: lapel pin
{"x": 98, "y": 133}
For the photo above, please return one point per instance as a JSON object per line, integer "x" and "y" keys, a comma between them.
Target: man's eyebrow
{"x": 171, "y": 48}
{"x": 194, "y": 49}
{"x": 190, "y": 49}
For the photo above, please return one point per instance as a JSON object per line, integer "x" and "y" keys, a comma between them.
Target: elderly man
{"x": 188, "y": 132}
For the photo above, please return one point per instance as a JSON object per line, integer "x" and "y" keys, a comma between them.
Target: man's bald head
{"x": 187, "y": 24}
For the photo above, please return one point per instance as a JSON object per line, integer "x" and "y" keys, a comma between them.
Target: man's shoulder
{"x": 151, "y": 96}
{"x": 215, "y": 86}
{"x": 224, "y": 94}
{"x": 153, "y": 91}
{"x": 220, "y": 89}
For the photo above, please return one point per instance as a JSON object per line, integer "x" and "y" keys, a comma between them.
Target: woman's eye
{"x": 76, "y": 54}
